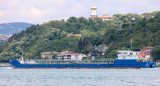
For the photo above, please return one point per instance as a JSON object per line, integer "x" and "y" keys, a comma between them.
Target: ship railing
{"x": 53, "y": 61}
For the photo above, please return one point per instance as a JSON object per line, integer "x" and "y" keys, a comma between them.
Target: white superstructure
{"x": 127, "y": 54}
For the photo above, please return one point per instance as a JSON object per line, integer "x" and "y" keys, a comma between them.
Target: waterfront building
{"x": 48, "y": 55}
{"x": 98, "y": 50}
{"x": 69, "y": 55}
{"x": 65, "y": 55}
{"x": 146, "y": 53}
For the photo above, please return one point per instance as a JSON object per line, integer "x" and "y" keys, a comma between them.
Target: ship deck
{"x": 53, "y": 61}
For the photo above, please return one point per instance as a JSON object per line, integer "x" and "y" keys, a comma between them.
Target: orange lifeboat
{"x": 142, "y": 54}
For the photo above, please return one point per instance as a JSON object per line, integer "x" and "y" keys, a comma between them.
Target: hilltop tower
{"x": 94, "y": 15}
{"x": 93, "y": 11}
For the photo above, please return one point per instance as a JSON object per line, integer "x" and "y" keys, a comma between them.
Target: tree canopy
{"x": 52, "y": 36}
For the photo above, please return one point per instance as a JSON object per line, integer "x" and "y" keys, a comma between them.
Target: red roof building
{"x": 48, "y": 55}
{"x": 147, "y": 50}
{"x": 65, "y": 55}
{"x": 69, "y": 55}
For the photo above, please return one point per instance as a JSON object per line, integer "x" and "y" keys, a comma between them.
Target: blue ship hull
{"x": 117, "y": 64}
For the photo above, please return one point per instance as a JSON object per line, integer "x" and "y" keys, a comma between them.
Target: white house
{"x": 68, "y": 55}
{"x": 98, "y": 50}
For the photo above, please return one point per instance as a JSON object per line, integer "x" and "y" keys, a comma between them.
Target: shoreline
{"x": 5, "y": 65}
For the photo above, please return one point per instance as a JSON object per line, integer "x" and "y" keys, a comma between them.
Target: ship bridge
{"x": 126, "y": 54}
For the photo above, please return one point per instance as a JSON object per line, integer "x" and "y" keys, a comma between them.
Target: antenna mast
{"x": 131, "y": 43}
{"x": 22, "y": 52}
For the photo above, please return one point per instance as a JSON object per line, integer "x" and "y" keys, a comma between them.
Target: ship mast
{"x": 131, "y": 43}
{"x": 22, "y": 53}
{"x": 22, "y": 60}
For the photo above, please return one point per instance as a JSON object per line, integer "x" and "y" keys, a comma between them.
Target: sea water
{"x": 79, "y": 77}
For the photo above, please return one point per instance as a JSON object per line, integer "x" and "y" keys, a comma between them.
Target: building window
{"x": 119, "y": 52}
{"x": 68, "y": 55}
{"x": 69, "y": 58}
{"x": 125, "y": 52}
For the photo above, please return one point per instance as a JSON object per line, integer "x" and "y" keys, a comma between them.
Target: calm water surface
{"x": 79, "y": 77}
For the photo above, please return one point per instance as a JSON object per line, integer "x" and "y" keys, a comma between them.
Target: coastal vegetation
{"x": 143, "y": 29}
{"x": 156, "y": 53}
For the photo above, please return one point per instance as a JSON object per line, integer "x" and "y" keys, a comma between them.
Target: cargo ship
{"x": 125, "y": 59}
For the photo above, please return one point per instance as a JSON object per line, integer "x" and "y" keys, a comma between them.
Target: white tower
{"x": 93, "y": 11}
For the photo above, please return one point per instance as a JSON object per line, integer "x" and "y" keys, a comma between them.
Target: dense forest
{"x": 143, "y": 29}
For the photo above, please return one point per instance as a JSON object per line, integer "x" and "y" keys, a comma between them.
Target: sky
{"x": 40, "y": 11}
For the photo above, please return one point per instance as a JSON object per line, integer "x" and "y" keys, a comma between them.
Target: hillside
{"x": 143, "y": 33}
{"x": 52, "y": 36}
{"x": 11, "y": 28}
{"x": 3, "y": 38}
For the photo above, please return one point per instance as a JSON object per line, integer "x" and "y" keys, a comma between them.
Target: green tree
{"x": 156, "y": 53}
